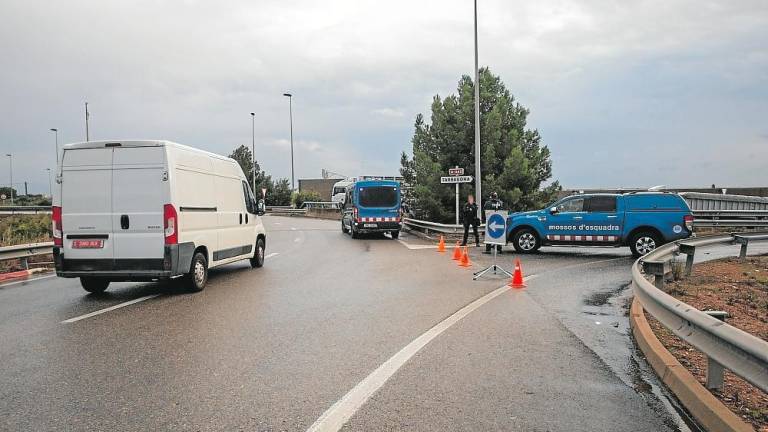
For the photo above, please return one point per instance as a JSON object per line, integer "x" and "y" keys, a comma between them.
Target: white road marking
{"x": 293, "y": 228}
{"x": 272, "y": 255}
{"x": 111, "y": 308}
{"x": 339, "y": 413}
{"x": 26, "y": 281}
{"x": 416, "y": 247}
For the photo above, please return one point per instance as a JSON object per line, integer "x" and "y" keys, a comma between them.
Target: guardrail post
{"x": 25, "y": 263}
{"x": 658, "y": 269}
{"x": 743, "y": 241}
{"x": 689, "y": 251}
{"x": 715, "y": 370}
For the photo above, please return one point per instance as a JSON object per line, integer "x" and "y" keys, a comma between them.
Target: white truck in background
{"x": 151, "y": 210}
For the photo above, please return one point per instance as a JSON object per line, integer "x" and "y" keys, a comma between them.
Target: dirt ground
{"x": 741, "y": 289}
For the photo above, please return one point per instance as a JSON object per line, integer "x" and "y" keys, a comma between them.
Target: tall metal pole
{"x": 87, "y": 117}
{"x": 290, "y": 110}
{"x": 253, "y": 150}
{"x": 10, "y": 161}
{"x": 56, "y": 131}
{"x": 478, "y": 174}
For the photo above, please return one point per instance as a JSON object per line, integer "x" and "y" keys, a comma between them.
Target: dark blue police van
{"x": 372, "y": 206}
{"x": 641, "y": 220}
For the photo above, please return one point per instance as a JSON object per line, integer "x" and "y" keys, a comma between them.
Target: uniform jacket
{"x": 469, "y": 213}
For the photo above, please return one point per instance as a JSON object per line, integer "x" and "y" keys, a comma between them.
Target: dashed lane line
{"x": 111, "y": 308}
{"x": 340, "y": 412}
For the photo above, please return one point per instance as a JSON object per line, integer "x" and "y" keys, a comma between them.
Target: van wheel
{"x": 344, "y": 227}
{"x": 197, "y": 277}
{"x": 395, "y": 235}
{"x": 94, "y": 285}
{"x": 526, "y": 241}
{"x": 355, "y": 234}
{"x": 643, "y": 242}
{"x": 258, "y": 254}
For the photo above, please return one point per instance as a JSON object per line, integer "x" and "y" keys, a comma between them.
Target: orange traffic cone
{"x": 456, "y": 252}
{"x": 517, "y": 278}
{"x": 465, "y": 262}
{"x": 441, "y": 245}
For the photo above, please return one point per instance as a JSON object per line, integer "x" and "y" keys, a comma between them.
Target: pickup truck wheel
{"x": 643, "y": 242}
{"x": 198, "y": 273}
{"x": 526, "y": 241}
{"x": 94, "y": 285}
{"x": 258, "y": 254}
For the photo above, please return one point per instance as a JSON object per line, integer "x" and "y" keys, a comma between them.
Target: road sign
{"x": 456, "y": 171}
{"x": 456, "y": 179}
{"x": 496, "y": 228}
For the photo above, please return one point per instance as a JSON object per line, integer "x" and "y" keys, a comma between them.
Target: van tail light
{"x": 171, "y": 224}
{"x": 356, "y": 214}
{"x": 688, "y": 220}
{"x": 58, "y": 239}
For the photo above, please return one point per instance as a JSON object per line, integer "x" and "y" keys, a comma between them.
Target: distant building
{"x": 322, "y": 186}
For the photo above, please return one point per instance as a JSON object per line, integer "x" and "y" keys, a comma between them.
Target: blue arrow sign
{"x": 496, "y": 226}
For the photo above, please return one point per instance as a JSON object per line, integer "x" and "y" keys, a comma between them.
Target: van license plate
{"x": 369, "y": 225}
{"x": 87, "y": 244}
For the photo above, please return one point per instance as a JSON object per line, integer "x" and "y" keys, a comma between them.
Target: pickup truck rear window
{"x": 601, "y": 204}
{"x": 378, "y": 196}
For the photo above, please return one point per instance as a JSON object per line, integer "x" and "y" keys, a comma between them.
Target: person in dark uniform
{"x": 493, "y": 204}
{"x": 469, "y": 216}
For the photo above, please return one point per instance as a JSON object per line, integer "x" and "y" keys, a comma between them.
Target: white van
{"x": 151, "y": 210}
{"x": 339, "y": 192}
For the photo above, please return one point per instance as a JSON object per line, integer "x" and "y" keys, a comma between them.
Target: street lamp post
{"x": 56, "y": 131}
{"x": 253, "y": 150}
{"x": 290, "y": 111}
{"x": 478, "y": 174}
{"x": 10, "y": 161}
{"x": 50, "y": 184}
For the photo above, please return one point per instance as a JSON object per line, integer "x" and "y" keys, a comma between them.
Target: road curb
{"x": 712, "y": 414}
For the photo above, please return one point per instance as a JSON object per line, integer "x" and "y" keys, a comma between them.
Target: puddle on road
{"x": 601, "y": 298}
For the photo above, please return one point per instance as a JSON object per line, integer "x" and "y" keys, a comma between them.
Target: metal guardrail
{"x": 436, "y": 227}
{"x": 725, "y": 346}
{"x": 321, "y": 204}
{"x": 10, "y": 210}
{"x": 25, "y": 251}
{"x": 723, "y": 202}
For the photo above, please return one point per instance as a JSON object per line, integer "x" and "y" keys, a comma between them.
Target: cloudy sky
{"x": 624, "y": 93}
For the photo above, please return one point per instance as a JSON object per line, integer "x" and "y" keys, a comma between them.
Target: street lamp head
{"x": 253, "y": 114}
{"x": 287, "y": 94}
{"x": 54, "y": 130}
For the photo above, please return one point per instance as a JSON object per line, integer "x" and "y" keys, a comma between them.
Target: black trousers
{"x": 474, "y": 223}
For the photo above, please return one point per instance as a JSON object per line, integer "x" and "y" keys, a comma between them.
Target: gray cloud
{"x": 622, "y": 93}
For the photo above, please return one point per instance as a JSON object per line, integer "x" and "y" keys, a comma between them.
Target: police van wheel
{"x": 526, "y": 241}
{"x": 344, "y": 227}
{"x": 395, "y": 234}
{"x": 354, "y": 232}
{"x": 94, "y": 285}
{"x": 643, "y": 243}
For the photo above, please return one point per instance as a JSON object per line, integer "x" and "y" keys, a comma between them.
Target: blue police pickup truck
{"x": 640, "y": 220}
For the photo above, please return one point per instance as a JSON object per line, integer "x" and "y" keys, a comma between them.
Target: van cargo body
{"x": 141, "y": 210}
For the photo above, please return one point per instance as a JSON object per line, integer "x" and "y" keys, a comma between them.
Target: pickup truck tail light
{"x": 170, "y": 224}
{"x": 688, "y": 220}
{"x": 58, "y": 239}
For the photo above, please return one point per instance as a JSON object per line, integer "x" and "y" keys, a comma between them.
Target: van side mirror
{"x": 553, "y": 210}
{"x": 260, "y": 208}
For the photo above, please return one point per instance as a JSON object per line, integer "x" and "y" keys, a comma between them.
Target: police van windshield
{"x": 378, "y": 196}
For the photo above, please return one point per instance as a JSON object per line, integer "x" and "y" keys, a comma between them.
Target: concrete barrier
{"x": 324, "y": 213}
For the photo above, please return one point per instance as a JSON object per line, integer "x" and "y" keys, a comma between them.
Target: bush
{"x": 23, "y": 229}
{"x": 299, "y": 198}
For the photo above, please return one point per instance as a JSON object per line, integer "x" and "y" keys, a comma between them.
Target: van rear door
{"x": 139, "y": 191}
{"x": 86, "y": 204}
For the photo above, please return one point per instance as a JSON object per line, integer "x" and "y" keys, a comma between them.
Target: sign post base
{"x": 496, "y": 269}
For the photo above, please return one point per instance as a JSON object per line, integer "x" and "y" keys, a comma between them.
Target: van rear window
{"x": 378, "y": 196}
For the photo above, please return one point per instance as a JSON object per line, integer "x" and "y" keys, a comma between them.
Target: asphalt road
{"x": 275, "y": 348}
